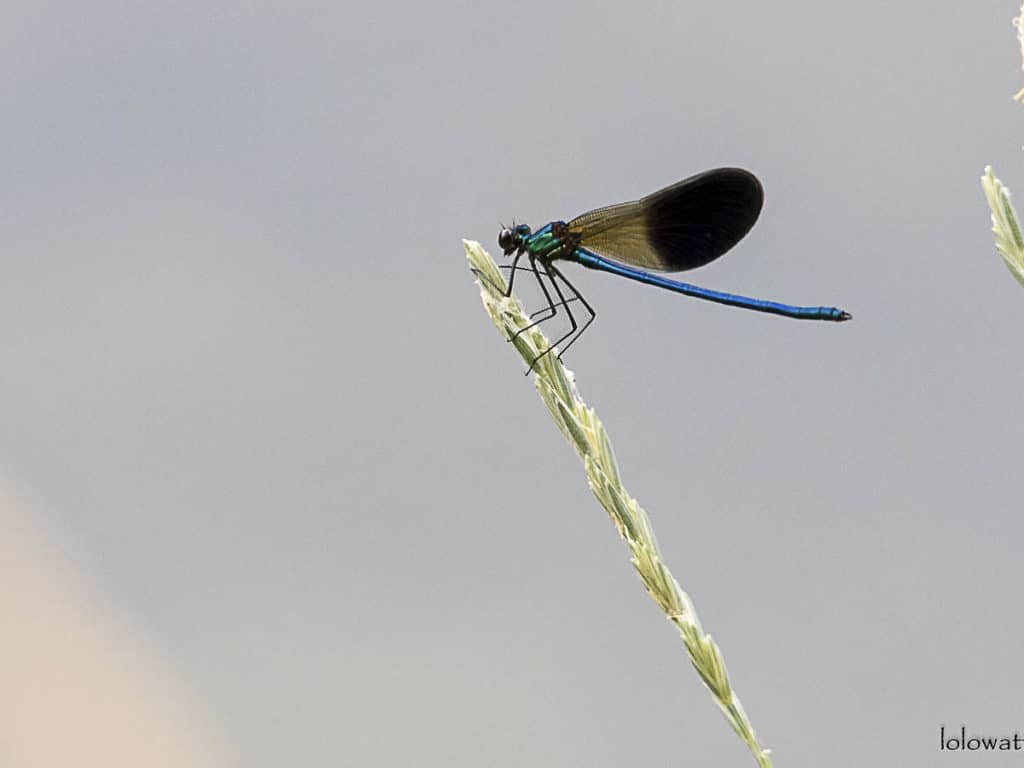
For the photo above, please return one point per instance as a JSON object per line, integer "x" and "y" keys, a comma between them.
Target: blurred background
{"x": 275, "y": 492}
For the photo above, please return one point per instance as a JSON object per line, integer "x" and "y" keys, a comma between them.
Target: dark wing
{"x": 681, "y": 227}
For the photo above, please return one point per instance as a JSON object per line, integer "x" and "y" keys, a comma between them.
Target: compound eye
{"x": 505, "y": 239}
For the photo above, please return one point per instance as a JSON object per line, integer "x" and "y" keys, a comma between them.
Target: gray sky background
{"x": 251, "y": 392}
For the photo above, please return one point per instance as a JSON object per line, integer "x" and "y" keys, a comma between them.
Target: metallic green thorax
{"x": 552, "y": 241}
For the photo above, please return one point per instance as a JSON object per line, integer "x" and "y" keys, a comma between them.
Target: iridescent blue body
{"x": 681, "y": 227}
{"x": 545, "y": 246}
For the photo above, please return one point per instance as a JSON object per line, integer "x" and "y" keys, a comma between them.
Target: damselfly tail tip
{"x": 844, "y": 316}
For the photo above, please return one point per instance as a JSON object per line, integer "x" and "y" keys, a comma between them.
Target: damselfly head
{"x": 511, "y": 239}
